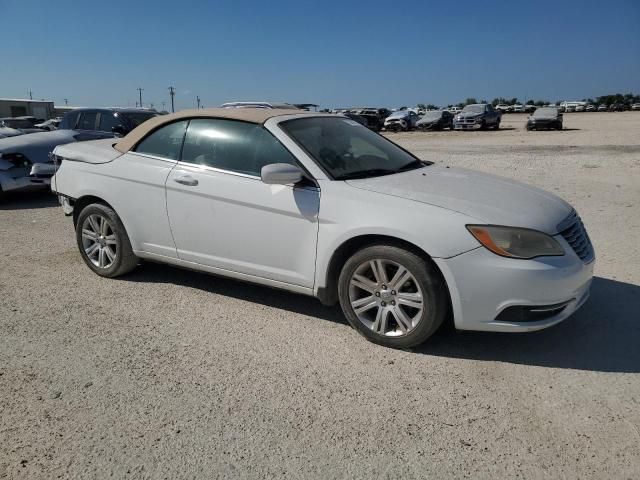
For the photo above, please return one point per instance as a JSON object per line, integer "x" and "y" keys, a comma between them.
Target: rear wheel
{"x": 392, "y": 296}
{"x": 103, "y": 241}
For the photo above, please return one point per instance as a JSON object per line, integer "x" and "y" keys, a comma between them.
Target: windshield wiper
{"x": 372, "y": 172}
{"x": 411, "y": 166}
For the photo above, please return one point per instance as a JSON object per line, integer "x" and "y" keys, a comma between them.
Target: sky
{"x": 333, "y": 53}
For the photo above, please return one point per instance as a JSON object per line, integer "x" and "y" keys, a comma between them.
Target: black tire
{"x": 559, "y": 127}
{"x": 483, "y": 125}
{"x": 427, "y": 277}
{"x": 124, "y": 260}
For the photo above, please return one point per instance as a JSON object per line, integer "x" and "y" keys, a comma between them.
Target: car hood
{"x": 488, "y": 198}
{"x": 35, "y": 140}
{"x": 395, "y": 116}
{"x": 468, "y": 115}
{"x": 10, "y": 132}
{"x": 429, "y": 120}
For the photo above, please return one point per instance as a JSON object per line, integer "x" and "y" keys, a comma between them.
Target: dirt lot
{"x": 172, "y": 374}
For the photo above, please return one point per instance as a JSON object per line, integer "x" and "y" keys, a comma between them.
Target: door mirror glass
{"x": 280, "y": 174}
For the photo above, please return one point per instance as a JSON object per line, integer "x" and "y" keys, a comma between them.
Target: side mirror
{"x": 280, "y": 174}
{"x": 119, "y": 130}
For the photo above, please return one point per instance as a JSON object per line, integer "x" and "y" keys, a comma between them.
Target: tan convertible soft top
{"x": 253, "y": 115}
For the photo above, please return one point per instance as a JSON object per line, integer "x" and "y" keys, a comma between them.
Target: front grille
{"x": 576, "y": 236}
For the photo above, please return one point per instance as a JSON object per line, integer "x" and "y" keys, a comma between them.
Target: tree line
{"x": 626, "y": 98}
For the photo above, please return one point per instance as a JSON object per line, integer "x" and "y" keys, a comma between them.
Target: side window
{"x": 232, "y": 145}
{"x": 108, "y": 120}
{"x": 87, "y": 121}
{"x": 69, "y": 121}
{"x": 164, "y": 142}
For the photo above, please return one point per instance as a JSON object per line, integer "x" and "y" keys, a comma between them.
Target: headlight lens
{"x": 515, "y": 242}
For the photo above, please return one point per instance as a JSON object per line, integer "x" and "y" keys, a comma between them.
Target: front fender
{"x": 347, "y": 213}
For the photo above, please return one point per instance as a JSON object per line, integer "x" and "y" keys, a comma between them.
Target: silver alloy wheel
{"x": 386, "y": 297}
{"x": 99, "y": 241}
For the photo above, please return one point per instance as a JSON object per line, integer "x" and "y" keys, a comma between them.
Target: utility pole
{"x": 30, "y": 95}
{"x": 163, "y": 103}
{"x": 66, "y": 101}
{"x": 140, "y": 92}
{"x": 198, "y": 100}
{"x": 172, "y": 92}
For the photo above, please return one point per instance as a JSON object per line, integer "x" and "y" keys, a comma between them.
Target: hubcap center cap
{"x": 386, "y": 295}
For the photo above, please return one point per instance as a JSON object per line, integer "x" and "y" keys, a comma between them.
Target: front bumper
{"x": 482, "y": 285}
{"x": 467, "y": 126}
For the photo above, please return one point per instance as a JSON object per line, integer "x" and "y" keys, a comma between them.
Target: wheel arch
{"x": 83, "y": 201}
{"x": 328, "y": 294}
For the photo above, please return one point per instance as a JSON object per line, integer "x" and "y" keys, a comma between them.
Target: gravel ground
{"x": 172, "y": 374}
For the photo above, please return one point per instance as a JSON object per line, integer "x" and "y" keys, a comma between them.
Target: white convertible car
{"x": 320, "y": 205}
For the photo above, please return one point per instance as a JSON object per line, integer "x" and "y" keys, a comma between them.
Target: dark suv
{"x": 104, "y": 122}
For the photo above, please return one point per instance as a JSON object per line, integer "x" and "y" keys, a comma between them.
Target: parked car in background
{"x": 517, "y": 108}
{"x": 401, "y": 120}
{"x": 603, "y": 108}
{"x": 455, "y": 110}
{"x": 356, "y": 118}
{"x": 317, "y": 205}
{"x": 76, "y": 126}
{"x": 570, "y": 108}
{"x": 590, "y": 108}
{"x": 504, "y": 108}
{"x": 528, "y": 108}
{"x": 375, "y": 117}
{"x": 545, "y": 118}
{"x": 436, "y": 120}
{"x": 24, "y": 124}
{"x": 49, "y": 125}
{"x": 635, "y": 106}
{"x": 581, "y": 108}
{"x": 478, "y": 116}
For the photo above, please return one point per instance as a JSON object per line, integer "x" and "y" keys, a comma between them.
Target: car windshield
{"x": 136, "y": 118}
{"x": 545, "y": 112}
{"x": 432, "y": 115}
{"x": 473, "y": 108}
{"x": 347, "y": 150}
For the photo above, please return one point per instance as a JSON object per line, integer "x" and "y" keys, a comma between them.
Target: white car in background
{"x": 320, "y": 205}
{"x": 517, "y": 108}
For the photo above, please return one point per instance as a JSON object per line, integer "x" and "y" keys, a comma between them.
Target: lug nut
{"x": 377, "y": 294}
{"x": 393, "y": 303}
{"x": 384, "y": 304}
{"x": 393, "y": 292}
{"x": 384, "y": 287}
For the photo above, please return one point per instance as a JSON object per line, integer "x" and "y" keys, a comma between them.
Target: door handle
{"x": 186, "y": 180}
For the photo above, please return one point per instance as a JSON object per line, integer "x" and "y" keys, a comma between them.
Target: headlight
{"x": 515, "y": 242}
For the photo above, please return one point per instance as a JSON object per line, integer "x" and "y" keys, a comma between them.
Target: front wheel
{"x": 392, "y": 296}
{"x": 103, "y": 241}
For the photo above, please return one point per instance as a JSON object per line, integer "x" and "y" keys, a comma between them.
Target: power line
{"x": 198, "y": 100}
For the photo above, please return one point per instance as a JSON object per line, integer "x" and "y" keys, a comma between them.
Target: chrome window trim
{"x": 219, "y": 170}
{"x": 154, "y": 157}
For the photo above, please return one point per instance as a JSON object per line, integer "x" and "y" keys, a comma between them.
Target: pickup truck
{"x": 478, "y": 116}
